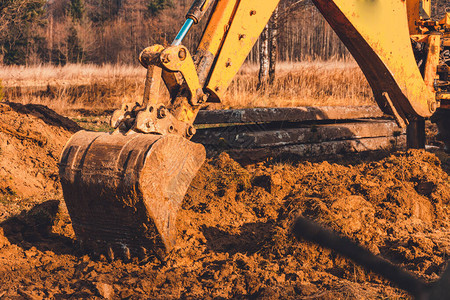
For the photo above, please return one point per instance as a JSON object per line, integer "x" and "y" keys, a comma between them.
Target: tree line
{"x": 115, "y": 31}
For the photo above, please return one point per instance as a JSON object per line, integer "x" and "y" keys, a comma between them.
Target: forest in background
{"x": 115, "y": 31}
{"x": 74, "y": 53}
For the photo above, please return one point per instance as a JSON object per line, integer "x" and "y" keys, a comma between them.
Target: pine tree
{"x": 155, "y": 6}
{"x": 74, "y": 48}
{"x": 76, "y": 10}
{"x": 19, "y": 20}
{"x": 102, "y": 11}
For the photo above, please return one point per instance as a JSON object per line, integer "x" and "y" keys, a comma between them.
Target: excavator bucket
{"x": 123, "y": 191}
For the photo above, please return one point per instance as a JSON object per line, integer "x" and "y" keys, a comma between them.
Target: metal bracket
{"x": 178, "y": 59}
{"x": 151, "y": 116}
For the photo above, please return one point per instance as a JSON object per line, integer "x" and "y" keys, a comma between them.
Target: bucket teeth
{"x": 126, "y": 253}
{"x": 127, "y": 189}
{"x": 143, "y": 254}
{"x": 110, "y": 253}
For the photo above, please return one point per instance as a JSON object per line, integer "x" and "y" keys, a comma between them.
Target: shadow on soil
{"x": 93, "y": 113}
{"x": 45, "y": 114}
{"x": 345, "y": 159}
{"x": 33, "y": 228}
{"x": 445, "y": 160}
{"x": 250, "y": 240}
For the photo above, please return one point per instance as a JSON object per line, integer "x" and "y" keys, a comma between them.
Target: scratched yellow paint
{"x": 248, "y": 22}
{"x": 383, "y": 24}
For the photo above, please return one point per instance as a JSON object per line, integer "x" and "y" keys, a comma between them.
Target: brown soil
{"x": 234, "y": 236}
{"x": 31, "y": 140}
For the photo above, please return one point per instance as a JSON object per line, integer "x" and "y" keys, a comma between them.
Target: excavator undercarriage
{"x": 123, "y": 189}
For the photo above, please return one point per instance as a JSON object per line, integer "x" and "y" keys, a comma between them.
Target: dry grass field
{"x": 73, "y": 87}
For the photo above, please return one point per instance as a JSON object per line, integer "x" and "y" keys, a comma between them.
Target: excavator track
{"x": 255, "y": 134}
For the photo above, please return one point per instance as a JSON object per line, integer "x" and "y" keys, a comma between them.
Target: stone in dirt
{"x": 105, "y": 290}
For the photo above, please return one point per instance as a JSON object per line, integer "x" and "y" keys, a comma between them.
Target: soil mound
{"x": 31, "y": 139}
{"x": 235, "y": 241}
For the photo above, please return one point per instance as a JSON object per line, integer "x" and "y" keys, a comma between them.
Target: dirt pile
{"x": 31, "y": 139}
{"x": 234, "y": 235}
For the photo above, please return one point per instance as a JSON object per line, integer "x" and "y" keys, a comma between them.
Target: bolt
{"x": 165, "y": 58}
{"x": 241, "y": 36}
{"x": 217, "y": 88}
{"x": 228, "y": 63}
{"x": 170, "y": 129}
{"x": 191, "y": 131}
{"x": 162, "y": 112}
{"x": 252, "y": 12}
{"x": 110, "y": 253}
{"x": 433, "y": 106}
{"x": 182, "y": 54}
{"x": 126, "y": 253}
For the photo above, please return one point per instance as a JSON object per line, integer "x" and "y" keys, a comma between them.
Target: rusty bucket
{"x": 123, "y": 191}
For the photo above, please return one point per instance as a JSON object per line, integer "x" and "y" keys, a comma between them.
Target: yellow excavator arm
{"x": 379, "y": 35}
{"x": 123, "y": 189}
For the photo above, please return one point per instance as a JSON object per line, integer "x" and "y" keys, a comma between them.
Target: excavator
{"x": 123, "y": 189}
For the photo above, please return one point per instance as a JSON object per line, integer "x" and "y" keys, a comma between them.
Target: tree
{"x": 273, "y": 45}
{"x": 74, "y": 48}
{"x": 76, "y": 10}
{"x": 264, "y": 59}
{"x": 19, "y": 21}
{"x": 268, "y": 52}
{"x": 101, "y": 11}
{"x": 155, "y": 6}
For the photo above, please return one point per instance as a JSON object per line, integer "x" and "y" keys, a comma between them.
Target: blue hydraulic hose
{"x": 184, "y": 30}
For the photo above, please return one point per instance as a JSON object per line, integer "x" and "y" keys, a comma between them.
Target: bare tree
{"x": 268, "y": 52}
{"x": 273, "y": 45}
{"x": 264, "y": 59}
